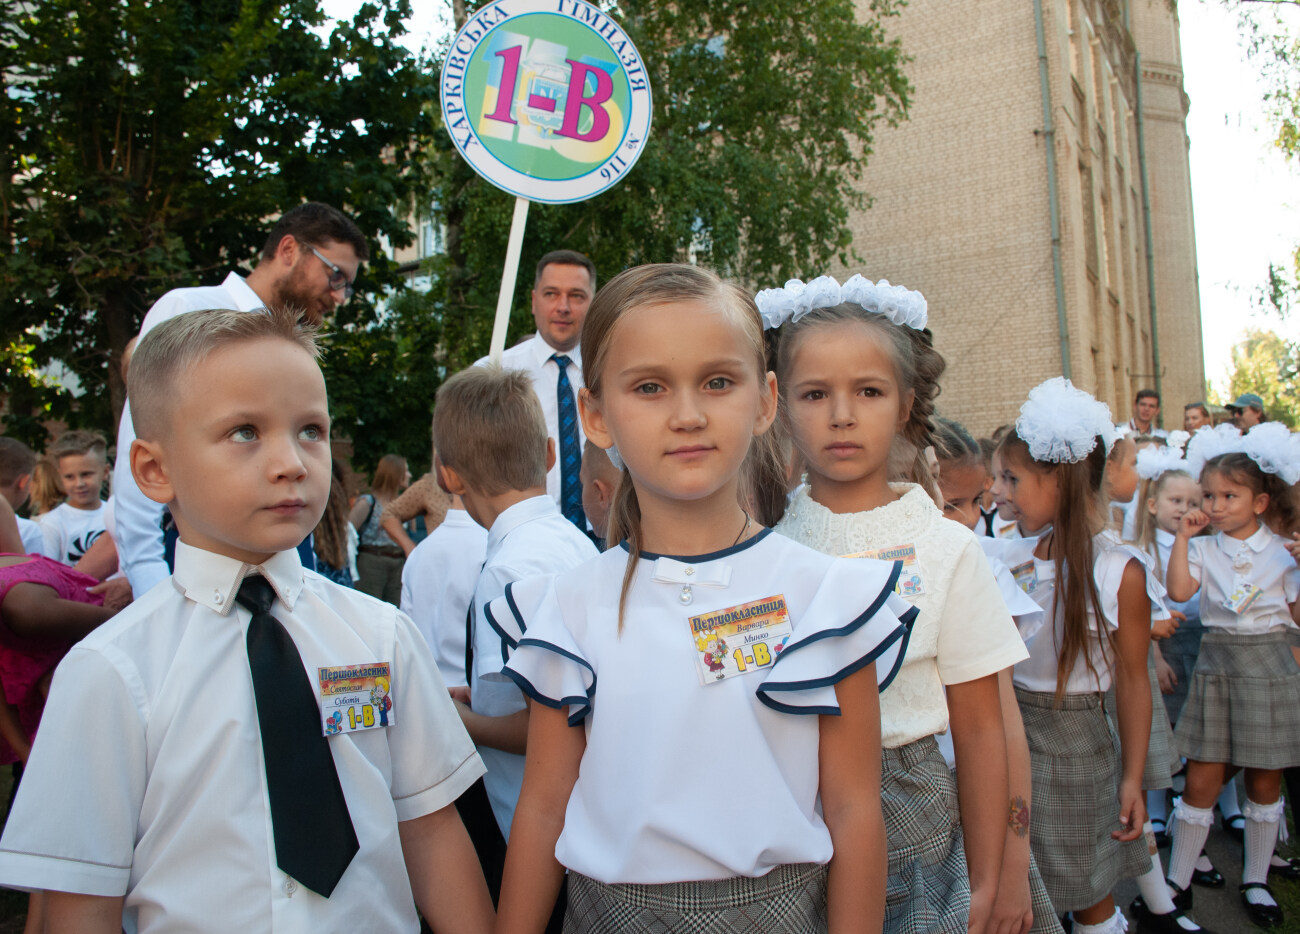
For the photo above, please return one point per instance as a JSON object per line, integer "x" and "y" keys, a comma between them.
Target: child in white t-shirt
{"x": 71, "y": 528}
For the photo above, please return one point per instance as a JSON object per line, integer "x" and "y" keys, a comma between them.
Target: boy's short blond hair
{"x": 77, "y": 443}
{"x": 488, "y": 426}
{"x": 175, "y": 346}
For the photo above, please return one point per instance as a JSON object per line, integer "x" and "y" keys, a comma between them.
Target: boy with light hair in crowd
{"x": 254, "y": 743}
{"x": 71, "y": 528}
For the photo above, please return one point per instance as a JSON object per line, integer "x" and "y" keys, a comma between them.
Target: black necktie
{"x": 314, "y": 839}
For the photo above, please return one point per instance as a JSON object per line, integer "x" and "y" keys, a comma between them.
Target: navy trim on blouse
{"x": 700, "y": 559}
{"x": 507, "y": 643}
{"x": 576, "y": 717}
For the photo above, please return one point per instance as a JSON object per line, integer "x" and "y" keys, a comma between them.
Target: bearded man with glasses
{"x": 310, "y": 262}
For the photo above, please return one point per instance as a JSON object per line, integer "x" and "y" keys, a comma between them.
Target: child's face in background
{"x": 998, "y": 491}
{"x": 1177, "y": 497}
{"x": 82, "y": 476}
{"x": 963, "y": 486}
{"x": 681, "y": 410}
{"x": 1233, "y": 508}
{"x": 1033, "y": 493}
{"x": 845, "y": 405}
{"x": 1121, "y": 471}
{"x": 248, "y": 455}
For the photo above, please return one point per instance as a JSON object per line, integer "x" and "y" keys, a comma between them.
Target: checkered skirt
{"x": 1045, "y": 917}
{"x": 1074, "y": 759}
{"x": 1180, "y": 651}
{"x": 790, "y": 898}
{"x": 1244, "y": 703}
{"x": 928, "y": 889}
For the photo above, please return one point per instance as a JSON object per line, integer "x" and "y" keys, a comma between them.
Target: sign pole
{"x": 508, "y": 276}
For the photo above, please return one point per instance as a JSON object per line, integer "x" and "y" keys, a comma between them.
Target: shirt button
{"x": 690, "y": 571}
{"x": 290, "y": 886}
{"x": 217, "y": 598}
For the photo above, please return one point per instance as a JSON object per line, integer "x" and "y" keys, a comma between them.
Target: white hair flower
{"x": 1270, "y": 445}
{"x": 902, "y": 306}
{"x": 1209, "y": 443}
{"x": 1178, "y": 439}
{"x": 1156, "y": 460}
{"x": 1061, "y": 424}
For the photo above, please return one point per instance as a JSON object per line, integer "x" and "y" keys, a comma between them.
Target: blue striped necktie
{"x": 570, "y": 449}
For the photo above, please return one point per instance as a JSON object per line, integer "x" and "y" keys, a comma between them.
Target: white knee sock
{"x": 1157, "y": 808}
{"x": 1189, "y": 828}
{"x": 1115, "y": 924}
{"x": 1261, "y": 836}
{"x": 1228, "y": 805}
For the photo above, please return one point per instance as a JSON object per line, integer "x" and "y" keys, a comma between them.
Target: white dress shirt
{"x": 147, "y": 778}
{"x": 1130, "y": 428}
{"x": 33, "y": 536}
{"x": 138, "y": 530}
{"x": 529, "y": 539}
{"x": 437, "y": 585}
{"x": 533, "y": 356}
{"x": 1218, "y": 563}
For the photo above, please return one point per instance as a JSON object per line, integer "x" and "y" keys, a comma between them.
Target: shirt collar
{"x": 528, "y": 510}
{"x": 1256, "y": 543}
{"x": 542, "y": 351}
{"x": 213, "y": 580}
{"x": 1164, "y": 539}
{"x": 245, "y": 298}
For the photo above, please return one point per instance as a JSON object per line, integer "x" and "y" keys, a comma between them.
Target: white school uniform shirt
{"x": 1218, "y": 563}
{"x": 147, "y": 779}
{"x": 1191, "y": 608}
{"x": 70, "y": 531}
{"x": 438, "y": 582}
{"x": 530, "y": 539}
{"x": 33, "y": 536}
{"x": 138, "y": 529}
{"x": 533, "y": 356}
{"x": 963, "y": 631}
{"x": 1110, "y": 558}
{"x": 685, "y": 777}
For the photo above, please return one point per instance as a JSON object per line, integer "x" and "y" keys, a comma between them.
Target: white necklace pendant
{"x": 686, "y": 596}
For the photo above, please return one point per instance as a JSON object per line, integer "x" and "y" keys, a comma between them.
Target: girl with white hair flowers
{"x": 858, "y": 377}
{"x": 1243, "y": 708}
{"x": 1100, "y": 596}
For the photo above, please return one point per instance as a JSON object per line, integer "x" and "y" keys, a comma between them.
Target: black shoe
{"x": 1148, "y": 920}
{"x": 1209, "y": 879}
{"x": 1266, "y": 916}
{"x": 1161, "y": 832}
{"x": 1234, "y": 826}
{"x": 1182, "y": 897}
{"x": 1287, "y": 870}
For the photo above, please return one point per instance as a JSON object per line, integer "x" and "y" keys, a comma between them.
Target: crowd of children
{"x": 823, "y": 661}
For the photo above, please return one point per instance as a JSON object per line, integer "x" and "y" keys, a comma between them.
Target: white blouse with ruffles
{"x": 963, "y": 630}
{"x": 683, "y": 780}
{"x": 1110, "y": 557}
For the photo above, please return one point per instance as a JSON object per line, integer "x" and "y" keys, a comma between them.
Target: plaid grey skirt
{"x": 790, "y": 898}
{"x": 1074, "y": 758}
{"x": 1180, "y": 651}
{"x": 928, "y": 889}
{"x": 1244, "y": 703}
{"x": 1045, "y": 918}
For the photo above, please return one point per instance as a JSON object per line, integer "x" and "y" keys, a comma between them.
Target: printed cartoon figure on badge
{"x": 678, "y": 621}
{"x": 379, "y": 697}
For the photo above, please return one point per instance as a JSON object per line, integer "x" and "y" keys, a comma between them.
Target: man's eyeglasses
{"x": 338, "y": 278}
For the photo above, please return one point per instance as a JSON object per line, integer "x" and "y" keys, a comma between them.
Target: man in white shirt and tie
{"x": 310, "y": 261}
{"x": 563, "y": 287}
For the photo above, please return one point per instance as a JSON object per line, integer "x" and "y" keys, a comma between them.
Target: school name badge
{"x": 909, "y": 583}
{"x": 356, "y": 697}
{"x": 740, "y": 639}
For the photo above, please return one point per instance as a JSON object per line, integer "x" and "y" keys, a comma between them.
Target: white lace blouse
{"x": 963, "y": 630}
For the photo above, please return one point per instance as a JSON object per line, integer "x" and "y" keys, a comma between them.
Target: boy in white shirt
{"x": 253, "y": 747}
{"x": 494, "y": 453}
{"x": 72, "y": 527}
{"x": 17, "y": 461}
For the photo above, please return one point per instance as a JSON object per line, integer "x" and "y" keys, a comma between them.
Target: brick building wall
{"x": 961, "y": 202}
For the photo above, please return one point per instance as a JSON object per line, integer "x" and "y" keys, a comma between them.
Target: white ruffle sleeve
{"x": 546, "y": 663}
{"x": 1028, "y": 615}
{"x": 507, "y": 614}
{"x": 1111, "y": 558}
{"x": 837, "y": 636}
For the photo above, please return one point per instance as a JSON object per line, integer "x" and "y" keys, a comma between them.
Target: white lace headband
{"x": 1270, "y": 445}
{"x": 902, "y": 306}
{"x": 1061, "y": 424}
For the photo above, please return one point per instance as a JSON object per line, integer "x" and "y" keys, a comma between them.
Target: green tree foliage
{"x": 1268, "y": 366}
{"x": 146, "y": 145}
